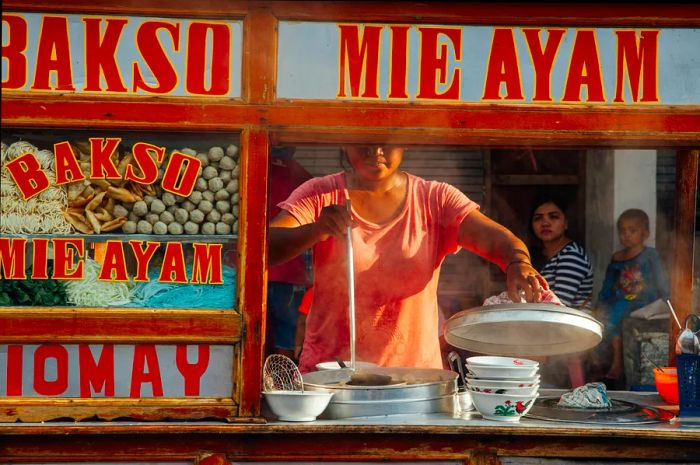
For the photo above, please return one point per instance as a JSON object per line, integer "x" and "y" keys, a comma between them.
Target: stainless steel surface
{"x": 423, "y": 390}
{"x": 687, "y": 342}
{"x": 442, "y": 404}
{"x": 522, "y": 330}
{"x": 351, "y": 286}
{"x": 621, "y": 413}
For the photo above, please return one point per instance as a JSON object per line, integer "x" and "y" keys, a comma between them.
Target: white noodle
{"x": 46, "y": 159}
{"x": 20, "y": 148}
{"x": 8, "y": 188}
{"x": 54, "y": 223}
{"x": 40, "y": 214}
{"x": 54, "y": 194}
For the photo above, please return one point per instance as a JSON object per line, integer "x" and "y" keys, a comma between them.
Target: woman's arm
{"x": 288, "y": 238}
{"x": 496, "y": 243}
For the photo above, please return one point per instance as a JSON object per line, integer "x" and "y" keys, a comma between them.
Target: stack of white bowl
{"x": 503, "y": 388}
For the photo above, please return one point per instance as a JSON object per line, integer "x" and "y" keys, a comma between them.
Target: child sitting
{"x": 634, "y": 278}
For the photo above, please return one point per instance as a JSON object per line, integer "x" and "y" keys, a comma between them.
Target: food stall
{"x": 215, "y": 85}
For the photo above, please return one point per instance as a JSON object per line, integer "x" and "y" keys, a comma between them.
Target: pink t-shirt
{"x": 397, "y": 266}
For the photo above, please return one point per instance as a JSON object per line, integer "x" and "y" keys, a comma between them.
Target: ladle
{"x": 361, "y": 378}
{"x": 455, "y": 362}
{"x": 351, "y": 286}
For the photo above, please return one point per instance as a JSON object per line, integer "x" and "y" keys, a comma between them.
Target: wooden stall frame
{"x": 287, "y": 443}
{"x": 263, "y": 120}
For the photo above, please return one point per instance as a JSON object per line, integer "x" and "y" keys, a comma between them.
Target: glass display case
{"x": 118, "y": 239}
{"x": 119, "y": 268}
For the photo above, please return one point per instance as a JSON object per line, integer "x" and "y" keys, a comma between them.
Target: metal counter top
{"x": 469, "y": 422}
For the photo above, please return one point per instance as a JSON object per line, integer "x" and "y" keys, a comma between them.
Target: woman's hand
{"x": 288, "y": 238}
{"x": 497, "y": 244}
{"x": 522, "y": 278}
{"x": 333, "y": 221}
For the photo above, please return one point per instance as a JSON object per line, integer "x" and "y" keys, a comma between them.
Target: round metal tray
{"x": 621, "y": 412}
{"x": 522, "y": 330}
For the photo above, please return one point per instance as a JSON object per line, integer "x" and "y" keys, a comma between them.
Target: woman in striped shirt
{"x": 567, "y": 268}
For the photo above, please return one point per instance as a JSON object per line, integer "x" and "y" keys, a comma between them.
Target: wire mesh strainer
{"x": 280, "y": 373}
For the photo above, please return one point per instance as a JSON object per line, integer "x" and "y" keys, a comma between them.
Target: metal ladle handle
{"x": 351, "y": 287}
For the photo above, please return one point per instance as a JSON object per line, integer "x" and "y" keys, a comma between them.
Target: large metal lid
{"x": 521, "y": 330}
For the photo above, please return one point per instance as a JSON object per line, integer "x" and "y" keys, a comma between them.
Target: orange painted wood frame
{"x": 281, "y": 443}
{"x": 262, "y": 120}
{"x": 542, "y": 14}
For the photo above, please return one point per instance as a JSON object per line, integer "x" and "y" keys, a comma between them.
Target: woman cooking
{"x": 402, "y": 229}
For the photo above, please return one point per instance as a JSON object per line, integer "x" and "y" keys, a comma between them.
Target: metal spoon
{"x": 646, "y": 357}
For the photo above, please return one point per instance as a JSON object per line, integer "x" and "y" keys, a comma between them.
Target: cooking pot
{"x": 411, "y": 390}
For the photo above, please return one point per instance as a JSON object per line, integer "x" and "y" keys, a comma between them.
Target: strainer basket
{"x": 280, "y": 373}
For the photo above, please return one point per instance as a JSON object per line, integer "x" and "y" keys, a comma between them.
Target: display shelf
{"x": 92, "y": 238}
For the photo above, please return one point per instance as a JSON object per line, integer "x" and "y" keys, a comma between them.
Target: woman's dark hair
{"x": 543, "y": 197}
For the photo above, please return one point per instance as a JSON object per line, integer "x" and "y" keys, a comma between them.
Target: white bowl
{"x": 502, "y": 407}
{"x": 503, "y": 383}
{"x": 297, "y": 405}
{"x": 492, "y": 361}
{"x": 514, "y": 391}
{"x": 335, "y": 366}
{"x": 501, "y": 372}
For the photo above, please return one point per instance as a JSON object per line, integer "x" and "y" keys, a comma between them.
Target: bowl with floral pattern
{"x": 502, "y": 407}
{"x": 503, "y": 383}
{"x": 506, "y": 362}
{"x": 524, "y": 391}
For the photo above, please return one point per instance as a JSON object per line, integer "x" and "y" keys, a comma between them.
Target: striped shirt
{"x": 570, "y": 276}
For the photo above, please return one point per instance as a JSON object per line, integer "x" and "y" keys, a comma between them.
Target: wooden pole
{"x": 684, "y": 227}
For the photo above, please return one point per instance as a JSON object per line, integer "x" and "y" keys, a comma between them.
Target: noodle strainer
{"x": 280, "y": 373}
